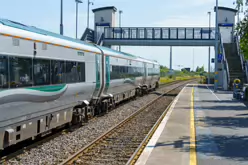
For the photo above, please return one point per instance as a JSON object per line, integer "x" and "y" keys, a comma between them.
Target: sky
{"x": 45, "y": 14}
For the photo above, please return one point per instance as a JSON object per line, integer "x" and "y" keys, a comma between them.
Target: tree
{"x": 199, "y": 69}
{"x": 242, "y": 28}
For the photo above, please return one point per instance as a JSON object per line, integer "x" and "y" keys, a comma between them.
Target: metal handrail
{"x": 239, "y": 52}
{"x": 225, "y": 60}
{"x": 100, "y": 40}
{"x": 242, "y": 58}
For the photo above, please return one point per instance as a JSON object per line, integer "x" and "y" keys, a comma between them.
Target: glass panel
{"x": 81, "y": 71}
{"x": 20, "y": 72}
{"x": 125, "y": 32}
{"x": 141, "y": 33}
{"x": 157, "y": 33}
{"x": 107, "y": 33}
{"x": 114, "y": 74}
{"x": 213, "y": 34}
{"x": 149, "y": 33}
{"x": 165, "y": 34}
{"x": 205, "y": 33}
{"x": 111, "y": 33}
{"x": 41, "y": 72}
{"x": 197, "y": 33}
{"x": 117, "y": 33}
{"x": 181, "y": 33}
{"x": 72, "y": 74}
{"x": 58, "y": 72}
{"x": 133, "y": 33}
{"x": 173, "y": 33}
{"x": 189, "y": 33}
{"x": 3, "y": 72}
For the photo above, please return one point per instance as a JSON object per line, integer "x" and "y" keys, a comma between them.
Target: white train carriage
{"x": 45, "y": 79}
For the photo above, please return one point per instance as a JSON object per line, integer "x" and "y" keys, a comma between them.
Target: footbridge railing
{"x": 159, "y": 33}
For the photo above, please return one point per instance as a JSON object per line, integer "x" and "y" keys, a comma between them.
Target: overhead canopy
{"x": 225, "y": 8}
{"x": 104, "y": 8}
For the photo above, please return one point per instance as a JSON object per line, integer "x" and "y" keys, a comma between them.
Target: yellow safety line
{"x": 193, "y": 160}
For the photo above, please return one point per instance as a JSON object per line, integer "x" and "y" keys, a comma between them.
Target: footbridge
{"x": 228, "y": 59}
{"x": 159, "y": 36}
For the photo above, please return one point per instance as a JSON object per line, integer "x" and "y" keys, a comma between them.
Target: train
{"x": 48, "y": 80}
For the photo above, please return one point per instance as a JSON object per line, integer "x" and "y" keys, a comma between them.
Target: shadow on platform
{"x": 230, "y": 147}
{"x": 221, "y": 101}
{"x": 226, "y": 122}
{"x": 180, "y": 143}
{"x": 225, "y": 146}
{"x": 223, "y": 108}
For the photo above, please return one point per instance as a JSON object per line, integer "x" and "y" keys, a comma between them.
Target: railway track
{"x": 20, "y": 149}
{"x": 120, "y": 143}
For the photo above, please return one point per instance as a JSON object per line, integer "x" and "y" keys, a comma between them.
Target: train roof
{"x": 36, "y": 30}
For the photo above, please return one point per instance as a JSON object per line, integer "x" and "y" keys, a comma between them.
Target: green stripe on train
{"x": 53, "y": 88}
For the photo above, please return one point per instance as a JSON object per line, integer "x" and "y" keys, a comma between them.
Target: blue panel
{"x": 220, "y": 57}
{"x": 226, "y": 24}
{"x": 102, "y": 24}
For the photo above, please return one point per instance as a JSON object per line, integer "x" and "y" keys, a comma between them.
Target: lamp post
{"x": 209, "y": 13}
{"x": 61, "y": 17}
{"x": 170, "y": 58}
{"x": 88, "y": 13}
{"x": 120, "y": 12}
{"x": 216, "y": 47}
{"x": 77, "y": 2}
{"x": 193, "y": 59}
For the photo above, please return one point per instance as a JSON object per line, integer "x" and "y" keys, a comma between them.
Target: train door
{"x": 38, "y": 126}
{"x": 8, "y": 134}
{"x": 107, "y": 68}
{"x": 98, "y": 75}
{"x": 145, "y": 73}
{"x": 6, "y": 139}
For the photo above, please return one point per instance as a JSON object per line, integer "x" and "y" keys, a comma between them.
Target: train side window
{"x": 20, "y": 72}
{"x": 18, "y": 128}
{"x": 18, "y": 137}
{"x": 41, "y": 72}
{"x": 130, "y": 71}
{"x": 57, "y": 72}
{"x": 71, "y": 72}
{"x": 81, "y": 71}
{"x": 4, "y": 72}
{"x": 115, "y": 73}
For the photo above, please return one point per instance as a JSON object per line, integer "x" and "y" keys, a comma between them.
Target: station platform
{"x": 200, "y": 128}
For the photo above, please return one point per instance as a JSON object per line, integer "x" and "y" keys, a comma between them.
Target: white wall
{"x": 223, "y": 14}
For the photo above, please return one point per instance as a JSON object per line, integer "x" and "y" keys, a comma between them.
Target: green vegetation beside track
{"x": 167, "y": 77}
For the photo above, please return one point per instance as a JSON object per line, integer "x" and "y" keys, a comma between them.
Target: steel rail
{"x": 75, "y": 156}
